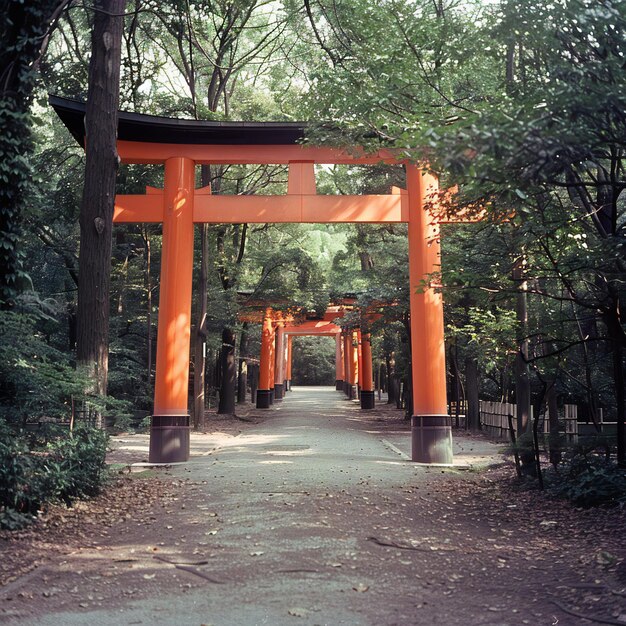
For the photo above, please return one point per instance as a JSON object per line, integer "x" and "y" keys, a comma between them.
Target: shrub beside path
{"x": 309, "y": 514}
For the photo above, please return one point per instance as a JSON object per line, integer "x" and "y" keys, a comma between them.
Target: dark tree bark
{"x": 616, "y": 334}
{"x": 96, "y": 213}
{"x": 229, "y": 373}
{"x": 199, "y": 358}
{"x": 456, "y": 383}
{"x": 392, "y": 386}
{"x": 471, "y": 390}
{"x": 242, "y": 379}
{"x": 522, "y": 376}
{"x": 553, "y": 419}
{"x": 253, "y": 374}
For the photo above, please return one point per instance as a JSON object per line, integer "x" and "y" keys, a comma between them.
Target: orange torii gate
{"x": 275, "y": 362}
{"x": 180, "y": 145}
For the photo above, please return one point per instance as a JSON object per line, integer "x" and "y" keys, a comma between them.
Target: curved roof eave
{"x": 156, "y": 129}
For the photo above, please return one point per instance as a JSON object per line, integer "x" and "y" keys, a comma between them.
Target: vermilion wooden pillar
{"x": 347, "y": 353}
{"x": 279, "y": 363}
{"x": 359, "y": 363}
{"x": 354, "y": 364}
{"x": 169, "y": 432}
{"x": 367, "y": 377}
{"x": 265, "y": 383}
{"x": 431, "y": 426}
{"x": 272, "y": 362}
{"x": 289, "y": 365}
{"x": 339, "y": 366}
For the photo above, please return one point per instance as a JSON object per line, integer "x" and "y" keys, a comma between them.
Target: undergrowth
{"x": 65, "y": 468}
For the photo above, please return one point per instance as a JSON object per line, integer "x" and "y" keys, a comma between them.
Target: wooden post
{"x": 263, "y": 391}
{"x": 430, "y": 424}
{"x": 272, "y": 362}
{"x": 169, "y": 433}
{"x": 279, "y": 362}
{"x": 347, "y": 352}
{"x": 367, "y": 378}
{"x": 353, "y": 363}
{"x": 289, "y": 365}
{"x": 359, "y": 353}
{"x": 339, "y": 366}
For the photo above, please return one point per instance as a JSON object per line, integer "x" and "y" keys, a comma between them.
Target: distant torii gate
{"x": 180, "y": 145}
{"x": 275, "y": 361}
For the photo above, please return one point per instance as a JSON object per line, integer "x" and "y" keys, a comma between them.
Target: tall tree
{"x": 96, "y": 215}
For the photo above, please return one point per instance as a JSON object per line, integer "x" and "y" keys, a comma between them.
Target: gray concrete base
{"x": 279, "y": 391}
{"x": 263, "y": 399}
{"x": 169, "y": 439}
{"x": 431, "y": 439}
{"x": 367, "y": 399}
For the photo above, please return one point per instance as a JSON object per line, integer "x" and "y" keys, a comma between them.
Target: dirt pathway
{"x": 314, "y": 517}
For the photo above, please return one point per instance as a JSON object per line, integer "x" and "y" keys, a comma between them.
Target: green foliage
{"x": 313, "y": 361}
{"x": 37, "y": 379}
{"x": 22, "y": 29}
{"x": 68, "y": 468}
{"x": 589, "y": 480}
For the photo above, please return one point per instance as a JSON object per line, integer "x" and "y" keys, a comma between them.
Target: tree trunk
{"x": 242, "y": 379}
{"x": 392, "y": 387}
{"x": 456, "y": 383}
{"x": 148, "y": 284}
{"x": 96, "y": 211}
{"x": 553, "y": 419}
{"x": 254, "y": 381}
{"x": 522, "y": 377}
{"x": 615, "y": 332}
{"x": 200, "y": 335}
{"x": 471, "y": 385}
{"x": 229, "y": 373}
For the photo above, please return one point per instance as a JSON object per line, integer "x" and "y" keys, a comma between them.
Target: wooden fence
{"x": 494, "y": 419}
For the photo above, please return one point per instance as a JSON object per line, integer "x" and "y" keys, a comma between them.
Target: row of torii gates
{"x": 180, "y": 145}
{"x": 353, "y": 355}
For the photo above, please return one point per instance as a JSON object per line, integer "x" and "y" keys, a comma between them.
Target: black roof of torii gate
{"x": 156, "y": 129}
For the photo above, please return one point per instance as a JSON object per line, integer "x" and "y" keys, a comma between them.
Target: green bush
{"x": 589, "y": 480}
{"x": 70, "y": 467}
{"x": 79, "y": 462}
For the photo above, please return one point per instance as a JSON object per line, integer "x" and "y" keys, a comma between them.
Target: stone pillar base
{"x": 353, "y": 392}
{"x": 431, "y": 439}
{"x": 339, "y": 385}
{"x": 346, "y": 388}
{"x": 169, "y": 439}
{"x": 263, "y": 399}
{"x": 279, "y": 391}
{"x": 367, "y": 399}
{"x": 272, "y": 395}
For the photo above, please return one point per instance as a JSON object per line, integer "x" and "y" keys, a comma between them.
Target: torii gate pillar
{"x": 279, "y": 363}
{"x": 367, "y": 377}
{"x": 263, "y": 394}
{"x": 339, "y": 366}
{"x": 289, "y": 363}
{"x": 431, "y": 426}
{"x": 169, "y": 432}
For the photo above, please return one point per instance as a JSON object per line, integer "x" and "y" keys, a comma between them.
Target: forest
{"x": 518, "y": 106}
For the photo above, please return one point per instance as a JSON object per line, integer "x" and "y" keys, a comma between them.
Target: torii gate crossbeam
{"x": 182, "y": 144}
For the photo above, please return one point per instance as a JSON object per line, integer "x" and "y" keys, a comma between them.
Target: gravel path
{"x": 313, "y": 516}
